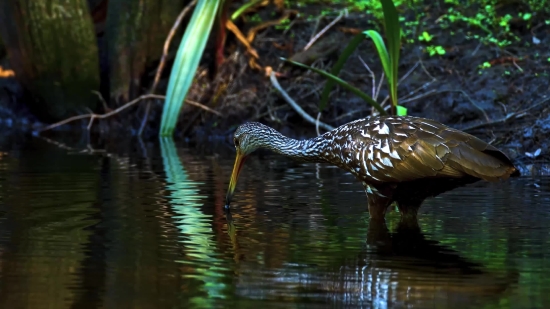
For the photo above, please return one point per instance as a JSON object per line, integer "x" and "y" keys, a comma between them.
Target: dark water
{"x": 81, "y": 230}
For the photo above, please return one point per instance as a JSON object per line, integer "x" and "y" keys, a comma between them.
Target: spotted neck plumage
{"x": 308, "y": 150}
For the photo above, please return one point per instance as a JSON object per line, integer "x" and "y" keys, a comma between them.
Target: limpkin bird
{"x": 398, "y": 159}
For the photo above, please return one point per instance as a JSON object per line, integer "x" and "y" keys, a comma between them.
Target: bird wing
{"x": 398, "y": 149}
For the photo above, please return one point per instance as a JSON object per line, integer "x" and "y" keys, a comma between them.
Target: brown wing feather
{"x": 398, "y": 149}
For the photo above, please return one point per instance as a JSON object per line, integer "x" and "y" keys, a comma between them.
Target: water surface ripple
{"x": 127, "y": 231}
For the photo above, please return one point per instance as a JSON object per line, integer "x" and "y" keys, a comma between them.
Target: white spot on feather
{"x": 371, "y": 152}
{"x": 365, "y": 163}
{"x": 387, "y": 162}
{"x": 429, "y": 124}
{"x": 383, "y": 129}
{"x": 386, "y": 148}
{"x": 395, "y": 155}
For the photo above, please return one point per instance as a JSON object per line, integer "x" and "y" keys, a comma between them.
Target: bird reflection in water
{"x": 399, "y": 268}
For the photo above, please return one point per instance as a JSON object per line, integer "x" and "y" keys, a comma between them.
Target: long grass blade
{"x": 393, "y": 35}
{"x": 187, "y": 60}
{"x": 346, "y": 53}
{"x": 342, "y": 83}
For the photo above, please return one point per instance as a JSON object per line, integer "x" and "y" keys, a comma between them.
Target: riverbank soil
{"x": 487, "y": 75}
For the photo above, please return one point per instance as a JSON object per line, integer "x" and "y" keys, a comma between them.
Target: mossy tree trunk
{"x": 136, "y": 31}
{"x": 52, "y": 48}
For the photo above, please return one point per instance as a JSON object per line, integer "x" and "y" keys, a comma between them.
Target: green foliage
{"x": 389, "y": 60}
{"x": 492, "y": 19}
{"x": 186, "y": 63}
{"x": 243, "y": 8}
{"x": 350, "y": 48}
{"x": 496, "y": 28}
{"x": 342, "y": 83}
{"x": 486, "y": 21}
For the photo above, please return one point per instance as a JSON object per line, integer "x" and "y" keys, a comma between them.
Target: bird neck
{"x": 309, "y": 150}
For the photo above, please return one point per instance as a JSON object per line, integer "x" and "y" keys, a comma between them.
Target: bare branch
{"x": 295, "y": 106}
{"x": 318, "y": 35}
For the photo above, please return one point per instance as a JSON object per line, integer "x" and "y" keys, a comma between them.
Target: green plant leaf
{"x": 186, "y": 63}
{"x": 243, "y": 8}
{"x": 342, "y": 83}
{"x": 382, "y": 52}
{"x": 393, "y": 35}
{"x": 401, "y": 110}
{"x": 346, "y": 53}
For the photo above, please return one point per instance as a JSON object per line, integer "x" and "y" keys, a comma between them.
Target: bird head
{"x": 247, "y": 138}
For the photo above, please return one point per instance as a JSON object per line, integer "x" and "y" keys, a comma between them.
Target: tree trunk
{"x": 52, "y": 48}
{"x": 135, "y": 35}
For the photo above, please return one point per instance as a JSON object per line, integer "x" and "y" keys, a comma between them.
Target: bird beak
{"x": 239, "y": 163}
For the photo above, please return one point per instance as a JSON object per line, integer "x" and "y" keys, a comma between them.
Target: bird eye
{"x": 236, "y": 141}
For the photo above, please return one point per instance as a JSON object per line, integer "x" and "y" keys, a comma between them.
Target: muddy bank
{"x": 495, "y": 93}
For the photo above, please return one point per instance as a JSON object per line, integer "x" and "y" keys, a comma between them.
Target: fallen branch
{"x": 94, "y": 116}
{"x": 431, "y": 92}
{"x": 295, "y": 106}
{"x": 162, "y": 62}
{"x": 516, "y": 115}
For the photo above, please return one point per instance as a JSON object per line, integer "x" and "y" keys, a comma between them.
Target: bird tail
{"x": 489, "y": 164}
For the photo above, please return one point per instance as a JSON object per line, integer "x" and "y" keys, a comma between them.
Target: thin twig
{"x": 103, "y": 116}
{"x": 481, "y": 110}
{"x": 405, "y": 97}
{"x": 375, "y": 90}
{"x": 490, "y": 123}
{"x": 105, "y": 107}
{"x": 515, "y": 115}
{"x": 419, "y": 96}
{"x": 379, "y": 86}
{"x": 517, "y": 66}
{"x": 425, "y": 70}
{"x": 206, "y": 108}
{"x": 408, "y": 73}
{"x": 93, "y": 116}
{"x": 317, "y": 22}
{"x": 296, "y": 107}
{"x": 473, "y": 103}
{"x": 162, "y": 63}
{"x": 476, "y": 49}
{"x": 318, "y": 35}
{"x": 167, "y": 42}
{"x": 317, "y": 123}
{"x": 373, "y": 77}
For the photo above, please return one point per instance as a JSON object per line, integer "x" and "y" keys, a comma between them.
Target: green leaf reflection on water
{"x": 195, "y": 228}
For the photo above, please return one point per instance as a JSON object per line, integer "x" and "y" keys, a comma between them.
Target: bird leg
{"x": 409, "y": 211}
{"x": 378, "y": 202}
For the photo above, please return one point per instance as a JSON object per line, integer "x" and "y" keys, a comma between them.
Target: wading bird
{"x": 399, "y": 159}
